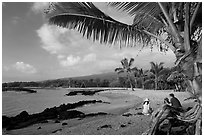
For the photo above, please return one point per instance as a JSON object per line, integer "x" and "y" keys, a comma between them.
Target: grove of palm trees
{"x": 180, "y": 22}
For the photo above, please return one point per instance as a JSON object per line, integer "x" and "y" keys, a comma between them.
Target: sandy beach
{"x": 122, "y": 118}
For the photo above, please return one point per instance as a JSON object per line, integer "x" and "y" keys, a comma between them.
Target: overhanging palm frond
{"x": 91, "y": 22}
{"x": 175, "y": 75}
{"x": 147, "y": 15}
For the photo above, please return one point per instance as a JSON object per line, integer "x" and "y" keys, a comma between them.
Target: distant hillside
{"x": 96, "y": 80}
{"x": 108, "y": 76}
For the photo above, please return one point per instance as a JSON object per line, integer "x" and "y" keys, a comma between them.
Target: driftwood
{"x": 169, "y": 121}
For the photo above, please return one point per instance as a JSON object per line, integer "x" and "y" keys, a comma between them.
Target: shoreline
{"x": 125, "y": 121}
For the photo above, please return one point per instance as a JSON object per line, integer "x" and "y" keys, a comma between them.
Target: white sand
{"x": 122, "y": 101}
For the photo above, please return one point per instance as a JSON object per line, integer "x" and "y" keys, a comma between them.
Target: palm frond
{"x": 153, "y": 65}
{"x": 175, "y": 75}
{"x": 161, "y": 64}
{"x": 93, "y": 23}
{"x": 131, "y": 62}
{"x": 134, "y": 69}
{"x": 124, "y": 63}
{"x": 119, "y": 69}
{"x": 147, "y": 15}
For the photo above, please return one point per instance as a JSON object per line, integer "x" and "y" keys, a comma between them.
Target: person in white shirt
{"x": 146, "y": 107}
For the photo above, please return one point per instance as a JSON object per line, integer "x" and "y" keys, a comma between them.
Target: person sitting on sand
{"x": 175, "y": 103}
{"x": 146, "y": 107}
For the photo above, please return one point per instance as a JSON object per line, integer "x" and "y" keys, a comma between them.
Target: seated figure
{"x": 146, "y": 107}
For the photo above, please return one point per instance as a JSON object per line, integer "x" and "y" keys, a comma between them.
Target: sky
{"x": 33, "y": 50}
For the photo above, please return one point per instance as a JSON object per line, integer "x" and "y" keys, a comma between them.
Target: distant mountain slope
{"x": 108, "y": 76}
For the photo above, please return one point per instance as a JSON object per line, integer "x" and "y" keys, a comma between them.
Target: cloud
{"x": 78, "y": 56}
{"x": 61, "y": 56}
{"x": 90, "y": 57}
{"x": 25, "y": 68}
{"x": 38, "y": 7}
{"x": 50, "y": 38}
{"x": 70, "y": 61}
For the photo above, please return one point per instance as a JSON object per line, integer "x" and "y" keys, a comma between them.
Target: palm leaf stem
{"x": 87, "y": 16}
{"x": 186, "y": 27}
{"x": 194, "y": 15}
{"x": 172, "y": 26}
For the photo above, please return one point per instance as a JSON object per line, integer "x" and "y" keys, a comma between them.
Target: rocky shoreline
{"x": 17, "y": 89}
{"x": 84, "y": 92}
{"x": 63, "y": 112}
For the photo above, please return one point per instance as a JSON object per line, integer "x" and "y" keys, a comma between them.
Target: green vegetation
{"x": 138, "y": 78}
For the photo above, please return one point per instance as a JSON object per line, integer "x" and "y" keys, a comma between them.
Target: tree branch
{"x": 194, "y": 15}
{"x": 186, "y": 28}
{"x": 161, "y": 39}
{"x": 171, "y": 24}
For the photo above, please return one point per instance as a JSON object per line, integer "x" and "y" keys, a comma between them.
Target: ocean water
{"x": 13, "y": 102}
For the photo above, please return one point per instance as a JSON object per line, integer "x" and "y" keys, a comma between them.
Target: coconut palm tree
{"x": 126, "y": 68}
{"x": 173, "y": 25}
{"x": 156, "y": 70}
{"x": 176, "y": 77}
{"x": 140, "y": 74}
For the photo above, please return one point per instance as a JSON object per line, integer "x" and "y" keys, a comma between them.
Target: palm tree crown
{"x": 126, "y": 67}
{"x": 156, "y": 70}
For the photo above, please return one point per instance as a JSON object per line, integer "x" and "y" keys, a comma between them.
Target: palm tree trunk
{"x": 142, "y": 83}
{"x": 135, "y": 82}
{"x": 156, "y": 83}
{"x": 131, "y": 86}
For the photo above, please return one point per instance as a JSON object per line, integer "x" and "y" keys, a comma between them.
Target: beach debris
{"x": 104, "y": 126}
{"x": 94, "y": 114}
{"x": 123, "y": 125}
{"x": 166, "y": 121}
{"x": 57, "y": 130}
{"x": 127, "y": 114}
{"x": 139, "y": 113}
{"x": 39, "y": 127}
{"x": 63, "y": 124}
{"x": 138, "y": 108}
